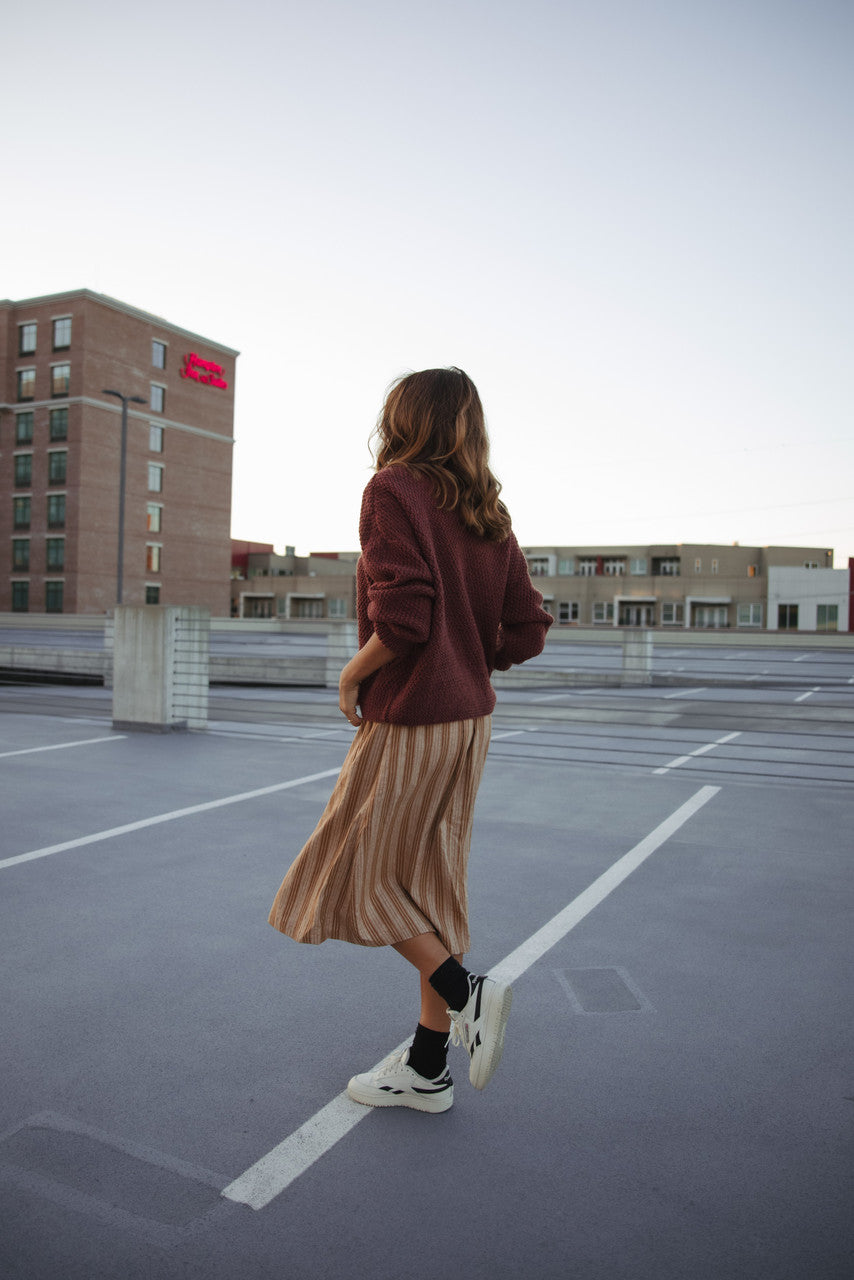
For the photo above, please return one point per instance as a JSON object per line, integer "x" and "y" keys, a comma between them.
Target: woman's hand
{"x": 368, "y": 660}
{"x": 348, "y": 696}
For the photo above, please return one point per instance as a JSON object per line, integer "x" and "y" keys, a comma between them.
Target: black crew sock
{"x": 451, "y": 982}
{"x": 428, "y": 1053}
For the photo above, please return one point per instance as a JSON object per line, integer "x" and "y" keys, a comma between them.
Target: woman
{"x": 443, "y": 599}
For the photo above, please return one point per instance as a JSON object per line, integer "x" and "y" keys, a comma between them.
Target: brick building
{"x": 60, "y": 453}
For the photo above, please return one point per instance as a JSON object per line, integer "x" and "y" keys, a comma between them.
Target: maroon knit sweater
{"x": 452, "y": 606}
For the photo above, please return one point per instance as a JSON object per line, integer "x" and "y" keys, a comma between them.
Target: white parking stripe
{"x": 60, "y": 746}
{"x": 809, "y": 693}
{"x": 274, "y": 1172}
{"x": 684, "y": 693}
{"x": 700, "y": 751}
{"x": 165, "y": 817}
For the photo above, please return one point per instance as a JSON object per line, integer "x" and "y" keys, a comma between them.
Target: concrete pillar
{"x": 637, "y": 656}
{"x": 342, "y": 642}
{"x": 161, "y": 661}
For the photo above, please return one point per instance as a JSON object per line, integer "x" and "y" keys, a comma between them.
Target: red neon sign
{"x": 203, "y": 371}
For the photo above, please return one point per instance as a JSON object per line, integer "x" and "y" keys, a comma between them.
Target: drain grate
{"x": 600, "y": 991}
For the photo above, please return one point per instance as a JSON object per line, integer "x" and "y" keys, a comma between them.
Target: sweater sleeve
{"x": 524, "y": 622}
{"x": 400, "y": 586}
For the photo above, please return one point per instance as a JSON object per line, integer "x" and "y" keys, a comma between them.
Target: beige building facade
{"x": 690, "y": 585}
{"x": 313, "y": 587}
{"x": 60, "y": 458}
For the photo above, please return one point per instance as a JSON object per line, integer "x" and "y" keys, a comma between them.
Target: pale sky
{"x": 628, "y": 220}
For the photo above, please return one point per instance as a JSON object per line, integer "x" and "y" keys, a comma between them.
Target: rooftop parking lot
{"x": 665, "y": 872}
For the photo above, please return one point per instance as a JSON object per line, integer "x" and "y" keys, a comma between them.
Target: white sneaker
{"x": 480, "y": 1025}
{"x": 395, "y": 1084}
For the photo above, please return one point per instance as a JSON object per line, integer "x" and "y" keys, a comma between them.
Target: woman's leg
{"x": 427, "y": 953}
{"x": 481, "y": 1004}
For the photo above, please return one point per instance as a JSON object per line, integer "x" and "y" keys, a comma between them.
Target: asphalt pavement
{"x": 665, "y": 873}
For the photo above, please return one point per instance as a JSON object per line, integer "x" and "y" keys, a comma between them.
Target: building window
{"x": 155, "y": 438}
{"x": 337, "y": 607}
{"x": 56, "y": 553}
{"x": 157, "y": 400}
{"x": 26, "y": 339}
{"x": 714, "y": 566}
{"x": 587, "y": 566}
{"x": 567, "y": 611}
{"x": 827, "y": 617}
{"x": 57, "y": 466}
{"x": 566, "y": 568}
{"x": 23, "y": 470}
{"x": 614, "y": 568}
{"x": 666, "y": 566}
{"x": 152, "y": 594}
{"x": 155, "y": 478}
{"x": 56, "y": 511}
{"x": 603, "y": 611}
{"x": 24, "y": 427}
{"x": 62, "y": 334}
{"x": 26, "y": 384}
{"x": 153, "y": 517}
{"x": 698, "y": 565}
{"x": 306, "y": 607}
{"x": 638, "y": 566}
{"x": 20, "y": 555}
{"x": 59, "y": 424}
{"x": 709, "y": 616}
{"x": 811, "y": 564}
{"x": 20, "y": 597}
{"x": 753, "y": 570}
{"x": 152, "y": 557}
{"x": 749, "y": 615}
{"x": 538, "y": 566}
{"x": 158, "y": 354}
{"x": 787, "y": 617}
{"x": 60, "y": 378}
{"x": 672, "y": 614}
{"x": 53, "y": 596}
{"x": 21, "y": 512}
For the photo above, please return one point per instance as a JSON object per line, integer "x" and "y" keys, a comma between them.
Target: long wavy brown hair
{"x": 432, "y": 422}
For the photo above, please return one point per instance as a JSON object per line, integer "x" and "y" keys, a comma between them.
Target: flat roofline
{"x": 117, "y": 305}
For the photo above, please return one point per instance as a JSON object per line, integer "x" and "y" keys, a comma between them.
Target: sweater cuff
{"x": 391, "y": 639}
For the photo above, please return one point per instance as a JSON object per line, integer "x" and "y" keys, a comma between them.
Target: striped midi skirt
{"x": 388, "y": 859}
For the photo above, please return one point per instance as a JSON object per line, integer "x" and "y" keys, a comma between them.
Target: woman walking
{"x": 443, "y": 599}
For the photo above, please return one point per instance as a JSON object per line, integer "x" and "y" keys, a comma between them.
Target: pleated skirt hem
{"x": 388, "y": 859}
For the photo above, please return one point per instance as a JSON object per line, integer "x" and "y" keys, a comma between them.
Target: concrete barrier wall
{"x": 319, "y": 671}
{"x": 160, "y": 668}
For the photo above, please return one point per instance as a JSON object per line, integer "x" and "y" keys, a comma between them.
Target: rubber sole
{"x": 494, "y": 1025}
{"x": 368, "y": 1096}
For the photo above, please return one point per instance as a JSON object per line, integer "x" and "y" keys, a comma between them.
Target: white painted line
{"x": 685, "y": 693}
{"x": 700, "y": 751}
{"x": 512, "y": 733}
{"x": 808, "y": 694}
{"x": 274, "y": 1172}
{"x": 801, "y": 658}
{"x": 164, "y": 817}
{"x": 60, "y": 746}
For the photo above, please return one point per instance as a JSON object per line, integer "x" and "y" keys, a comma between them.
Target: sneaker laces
{"x": 458, "y": 1028}
{"x": 393, "y": 1063}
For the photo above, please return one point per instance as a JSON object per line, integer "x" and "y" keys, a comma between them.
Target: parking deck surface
{"x": 666, "y": 872}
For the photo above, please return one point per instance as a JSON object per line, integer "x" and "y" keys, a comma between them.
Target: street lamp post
{"x": 126, "y": 400}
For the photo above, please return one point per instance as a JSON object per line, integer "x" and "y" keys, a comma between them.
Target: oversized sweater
{"x": 450, "y": 605}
